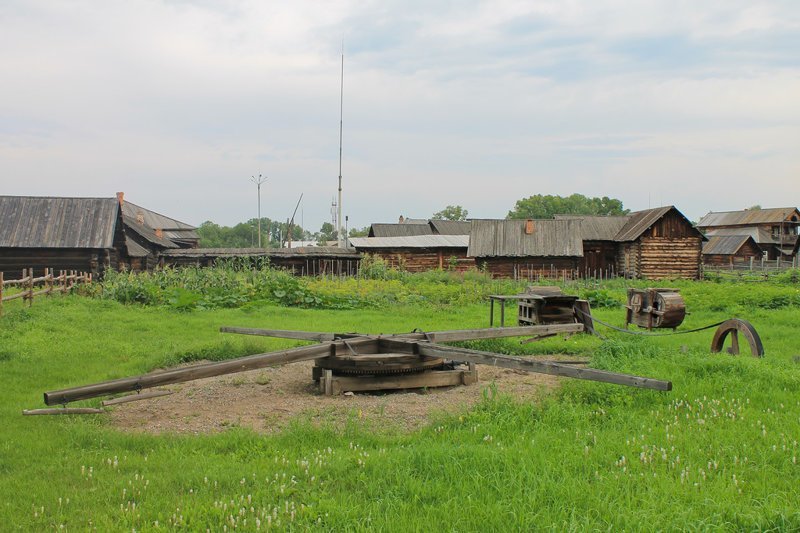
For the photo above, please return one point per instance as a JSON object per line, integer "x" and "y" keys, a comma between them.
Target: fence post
{"x": 30, "y": 286}
{"x": 2, "y": 283}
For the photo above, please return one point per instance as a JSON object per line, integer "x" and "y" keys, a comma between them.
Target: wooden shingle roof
{"x": 508, "y": 238}
{"x": 726, "y": 244}
{"x": 598, "y": 228}
{"x": 747, "y": 217}
{"x": 49, "y": 222}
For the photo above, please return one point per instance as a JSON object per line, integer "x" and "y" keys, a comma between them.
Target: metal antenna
{"x": 258, "y": 181}
{"x": 341, "y": 113}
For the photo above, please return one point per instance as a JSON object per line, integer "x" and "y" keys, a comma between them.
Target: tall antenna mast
{"x": 339, "y": 232}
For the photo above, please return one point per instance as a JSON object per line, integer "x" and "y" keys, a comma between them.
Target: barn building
{"x": 526, "y": 249}
{"x": 775, "y": 230}
{"x": 730, "y": 250}
{"x": 83, "y": 234}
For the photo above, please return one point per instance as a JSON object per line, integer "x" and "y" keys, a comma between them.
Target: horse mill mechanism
{"x": 359, "y": 362}
{"x": 649, "y": 308}
{"x": 655, "y": 308}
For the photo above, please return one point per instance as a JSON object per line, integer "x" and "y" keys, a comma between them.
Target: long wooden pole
{"x": 434, "y": 336}
{"x": 189, "y": 373}
{"x": 530, "y": 365}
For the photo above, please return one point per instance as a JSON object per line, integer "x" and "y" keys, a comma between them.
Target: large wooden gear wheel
{"x": 734, "y": 327}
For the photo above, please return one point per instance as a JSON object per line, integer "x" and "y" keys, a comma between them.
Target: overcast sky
{"x": 178, "y": 103}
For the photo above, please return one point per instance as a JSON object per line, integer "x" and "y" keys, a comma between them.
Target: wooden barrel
{"x": 669, "y": 309}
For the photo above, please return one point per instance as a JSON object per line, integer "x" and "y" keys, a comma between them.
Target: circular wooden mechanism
{"x": 655, "y": 308}
{"x": 733, "y": 327}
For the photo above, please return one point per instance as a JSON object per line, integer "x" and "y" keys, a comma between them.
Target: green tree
{"x": 326, "y": 233}
{"x": 359, "y": 232}
{"x": 545, "y": 206}
{"x": 245, "y": 234}
{"x": 451, "y": 212}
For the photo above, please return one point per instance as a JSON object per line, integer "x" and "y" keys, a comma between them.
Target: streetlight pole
{"x": 258, "y": 181}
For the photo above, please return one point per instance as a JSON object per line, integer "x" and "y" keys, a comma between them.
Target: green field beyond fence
{"x": 719, "y": 452}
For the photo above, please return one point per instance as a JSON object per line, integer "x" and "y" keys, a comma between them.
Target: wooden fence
{"x": 27, "y": 285}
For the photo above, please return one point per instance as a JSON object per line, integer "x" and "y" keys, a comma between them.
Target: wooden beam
{"x": 530, "y": 365}
{"x": 136, "y": 397}
{"x": 63, "y": 411}
{"x": 280, "y": 333}
{"x": 493, "y": 333}
{"x": 190, "y": 373}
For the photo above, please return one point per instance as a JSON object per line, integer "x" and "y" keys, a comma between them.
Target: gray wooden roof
{"x": 147, "y": 233}
{"x": 597, "y": 228}
{"x": 726, "y": 244}
{"x": 450, "y": 227}
{"x": 412, "y": 241}
{"x": 47, "y": 222}
{"x": 759, "y": 234}
{"x": 641, "y": 221}
{"x": 507, "y": 238}
{"x": 400, "y": 230}
{"x": 173, "y": 229}
{"x": 304, "y": 251}
{"x": 748, "y": 217}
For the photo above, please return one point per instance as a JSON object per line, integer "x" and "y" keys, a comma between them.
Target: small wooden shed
{"x": 526, "y": 249}
{"x": 729, "y": 250}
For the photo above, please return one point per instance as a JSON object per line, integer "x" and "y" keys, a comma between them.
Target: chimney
{"x": 121, "y": 198}
{"x": 160, "y": 233}
{"x": 140, "y": 218}
{"x": 401, "y": 219}
{"x": 529, "y": 227}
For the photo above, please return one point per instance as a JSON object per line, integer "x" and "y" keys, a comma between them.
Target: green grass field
{"x": 719, "y": 452}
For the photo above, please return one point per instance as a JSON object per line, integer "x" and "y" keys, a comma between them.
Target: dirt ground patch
{"x": 268, "y": 400}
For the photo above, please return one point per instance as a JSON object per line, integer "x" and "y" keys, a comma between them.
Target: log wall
{"x": 531, "y": 268}
{"x": 95, "y": 261}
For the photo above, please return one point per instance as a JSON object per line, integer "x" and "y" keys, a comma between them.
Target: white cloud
{"x": 479, "y": 104}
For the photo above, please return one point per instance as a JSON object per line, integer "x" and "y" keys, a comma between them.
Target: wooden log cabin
{"x": 659, "y": 243}
{"x": 419, "y": 253}
{"x": 526, "y": 249}
{"x": 730, "y": 250}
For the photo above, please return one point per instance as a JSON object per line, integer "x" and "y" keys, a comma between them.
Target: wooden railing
{"x": 27, "y": 285}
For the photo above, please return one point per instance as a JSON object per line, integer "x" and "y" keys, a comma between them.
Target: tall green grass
{"x": 719, "y": 452}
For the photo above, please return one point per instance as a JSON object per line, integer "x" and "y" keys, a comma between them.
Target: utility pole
{"x": 341, "y": 237}
{"x": 258, "y": 181}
